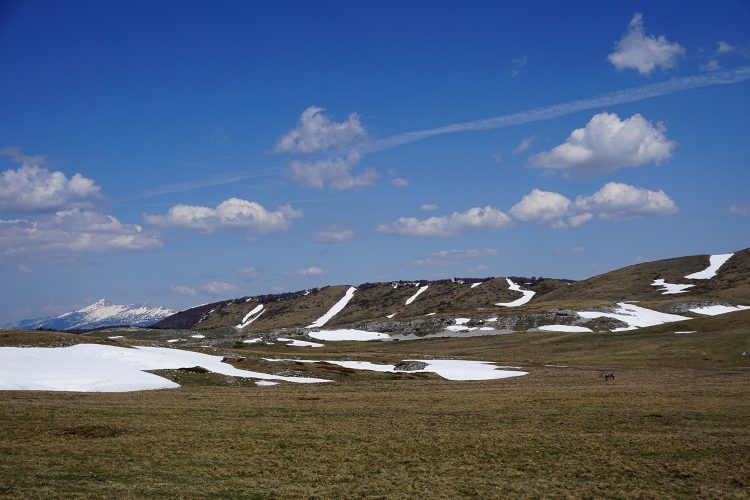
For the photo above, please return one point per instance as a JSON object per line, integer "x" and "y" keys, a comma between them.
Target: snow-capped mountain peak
{"x": 101, "y": 313}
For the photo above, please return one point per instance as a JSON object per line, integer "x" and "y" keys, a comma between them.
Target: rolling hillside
{"x": 672, "y": 286}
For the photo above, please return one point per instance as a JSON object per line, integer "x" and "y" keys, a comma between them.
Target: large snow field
{"x": 103, "y": 368}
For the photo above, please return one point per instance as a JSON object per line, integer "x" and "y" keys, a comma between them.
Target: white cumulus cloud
{"x": 429, "y": 207}
{"x": 333, "y": 173}
{"x": 547, "y": 208}
{"x": 613, "y": 201}
{"x": 71, "y": 232}
{"x": 33, "y": 188}
{"x": 605, "y": 144}
{"x": 643, "y": 52}
{"x": 316, "y": 131}
{"x": 622, "y": 201}
{"x": 234, "y": 213}
{"x": 334, "y": 233}
{"x": 450, "y": 225}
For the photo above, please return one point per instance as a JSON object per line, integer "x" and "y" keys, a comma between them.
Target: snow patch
{"x": 390, "y": 315}
{"x": 460, "y": 328}
{"x": 716, "y": 310}
{"x": 527, "y": 294}
{"x": 333, "y": 311}
{"x": 634, "y": 316}
{"x": 565, "y": 328}
{"x": 265, "y": 383}
{"x": 715, "y": 262}
{"x": 474, "y": 285}
{"x": 449, "y": 369}
{"x": 198, "y": 336}
{"x": 670, "y": 288}
{"x": 348, "y": 334}
{"x": 299, "y": 343}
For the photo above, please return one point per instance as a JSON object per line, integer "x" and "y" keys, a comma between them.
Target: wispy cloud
{"x": 448, "y": 225}
{"x": 634, "y": 94}
{"x": 525, "y": 144}
{"x": 334, "y": 233}
{"x": 210, "y": 288}
{"x": 309, "y": 271}
{"x": 568, "y": 251}
{"x": 214, "y": 180}
{"x": 740, "y": 209}
{"x": 448, "y": 257}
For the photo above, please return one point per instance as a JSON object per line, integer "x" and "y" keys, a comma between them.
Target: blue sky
{"x": 184, "y": 153}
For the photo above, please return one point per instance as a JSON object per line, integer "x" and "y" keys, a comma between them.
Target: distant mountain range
{"x": 98, "y": 315}
{"x": 663, "y": 290}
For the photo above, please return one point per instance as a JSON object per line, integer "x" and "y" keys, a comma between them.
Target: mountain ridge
{"x": 385, "y": 304}
{"x": 99, "y": 314}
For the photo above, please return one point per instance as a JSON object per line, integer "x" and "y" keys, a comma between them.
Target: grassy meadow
{"x": 675, "y": 423}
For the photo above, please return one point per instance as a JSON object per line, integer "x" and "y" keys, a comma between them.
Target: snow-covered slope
{"x": 97, "y": 315}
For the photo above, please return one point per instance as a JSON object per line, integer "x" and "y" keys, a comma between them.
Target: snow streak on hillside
{"x": 527, "y": 294}
{"x": 254, "y": 314}
{"x": 333, "y": 311}
{"x": 414, "y": 297}
{"x": 715, "y": 262}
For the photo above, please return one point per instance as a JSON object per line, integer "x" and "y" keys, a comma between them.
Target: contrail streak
{"x": 634, "y": 94}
